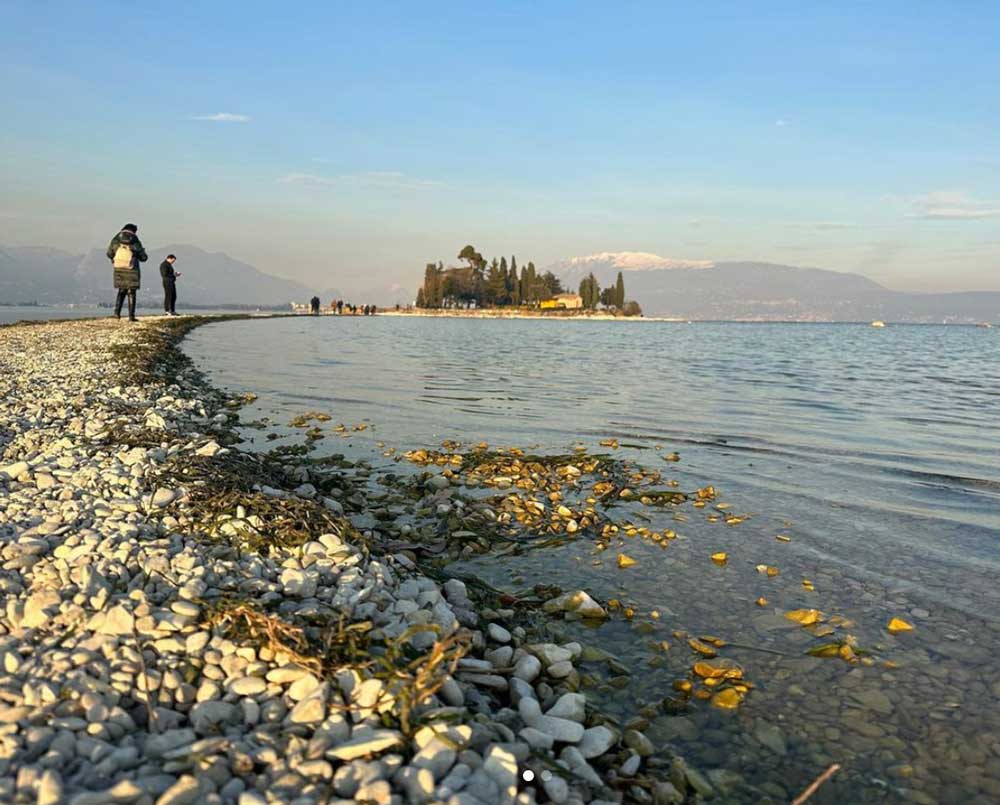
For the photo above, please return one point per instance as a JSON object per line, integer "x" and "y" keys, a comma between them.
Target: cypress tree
{"x": 503, "y": 297}
{"x": 620, "y": 291}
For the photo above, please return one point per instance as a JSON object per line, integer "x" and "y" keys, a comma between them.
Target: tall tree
{"x": 471, "y": 256}
{"x": 433, "y": 292}
{"x": 420, "y": 298}
{"x": 590, "y": 291}
{"x": 505, "y": 277}
{"x": 496, "y": 284}
{"x": 514, "y": 287}
{"x": 549, "y": 284}
{"x": 608, "y": 297}
{"x": 620, "y": 291}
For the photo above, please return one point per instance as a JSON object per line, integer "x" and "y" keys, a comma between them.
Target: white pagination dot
{"x": 528, "y": 775}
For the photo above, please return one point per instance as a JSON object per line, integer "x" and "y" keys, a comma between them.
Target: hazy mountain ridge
{"x": 686, "y": 289}
{"x": 771, "y": 292}
{"x": 49, "y": 276}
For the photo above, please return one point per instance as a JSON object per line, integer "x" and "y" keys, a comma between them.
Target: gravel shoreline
{"x": 146, "y": 659}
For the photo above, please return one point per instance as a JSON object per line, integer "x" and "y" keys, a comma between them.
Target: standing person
{"x": 125, "y": 253}
{"x": 314, "y": 305}
{"x": 340, "y": 307}
{"x": 169, "y": 277}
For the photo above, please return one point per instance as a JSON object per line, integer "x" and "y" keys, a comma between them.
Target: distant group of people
{"x": 125, "y": 253}
{"x": 339, "y": 306}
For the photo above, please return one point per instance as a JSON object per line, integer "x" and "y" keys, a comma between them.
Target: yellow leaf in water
{"x": 682, "y": 685}
{"x": 826, "y": 650}
{"x": 655, "y": 614}
{"x": 727, "y": 699}
{"x": 711, "y": 682}
{"x": 806, "y": 617}
{"x": 702, "y": 648}
{"x": 708, "y": 671}
{"x": 897, "y": 625}
{"x": 703, "y": 693}
{"x": 723, "y": 506}
{"x": 762, "y": 601}
{"x": 808, "y": 585}
{"x": 699, "y": 504}
{"x": 772, "y": 572}
{"x": 629, "y": 613}
{"x": 783, "y": 538}
{"x": 720, "y": 558}
{"x": 847, "y": 654}
{"x": 625, "y": 561}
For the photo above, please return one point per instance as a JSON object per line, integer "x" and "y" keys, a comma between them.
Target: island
{"x": 496, "y": 288}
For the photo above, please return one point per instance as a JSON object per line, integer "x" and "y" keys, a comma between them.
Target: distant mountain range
{"x": 49, "y": 276}
{"x": 690, "y": 289}
{"x": 685, "y": 289}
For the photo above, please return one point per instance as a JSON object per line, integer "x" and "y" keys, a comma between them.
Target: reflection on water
{"x": 877, "y": 451}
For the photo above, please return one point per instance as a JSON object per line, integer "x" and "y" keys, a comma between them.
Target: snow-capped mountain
{"x": 702, "y": 289}
{"x": 606, "y": 265}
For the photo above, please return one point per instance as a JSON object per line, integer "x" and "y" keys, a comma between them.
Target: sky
{"x": 349, "y": 143}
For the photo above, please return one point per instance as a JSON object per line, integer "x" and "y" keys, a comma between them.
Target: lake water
{"x": 876, "y": 451}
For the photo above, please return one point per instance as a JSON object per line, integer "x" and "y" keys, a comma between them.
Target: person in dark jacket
{"x": 314, "y": 305}
{"x": 125, "y": 253}
{"x": 169, "y": 277}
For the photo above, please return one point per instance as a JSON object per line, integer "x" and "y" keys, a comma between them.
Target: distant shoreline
{"x": 601, "y": 316}
{"x": 499, "y": 313}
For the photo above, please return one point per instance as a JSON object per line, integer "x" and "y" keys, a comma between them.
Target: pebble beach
{"x": 185, "y": 623}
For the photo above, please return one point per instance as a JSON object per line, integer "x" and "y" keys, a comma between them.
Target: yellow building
{"x": 563, "y": 301}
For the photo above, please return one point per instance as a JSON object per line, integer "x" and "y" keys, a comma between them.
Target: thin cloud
{"x": 394, "y": 179}
{"x": 821, "y": 226}
{"x": 307, "y": 180}
{"x": 952, "y": 206}
{"x": 223, "y": 117}
{"x": 781, "y": 123}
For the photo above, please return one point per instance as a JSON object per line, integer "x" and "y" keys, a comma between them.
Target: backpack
{"x": 123, "y": 256}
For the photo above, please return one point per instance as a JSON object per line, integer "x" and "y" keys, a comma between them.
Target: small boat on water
{"x": 878, "y": 323}
{"x": 984, "y": 324}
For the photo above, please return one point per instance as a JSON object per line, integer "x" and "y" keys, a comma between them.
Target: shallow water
{"x": 876, "y": 451}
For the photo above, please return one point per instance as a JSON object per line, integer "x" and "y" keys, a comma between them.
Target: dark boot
{"x": 131, "y": 306}
{"x": 118, "y": 304}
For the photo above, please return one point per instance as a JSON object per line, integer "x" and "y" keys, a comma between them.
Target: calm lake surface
{"x": 876, "y": 451}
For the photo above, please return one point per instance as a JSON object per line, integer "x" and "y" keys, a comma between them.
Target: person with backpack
{"x": 125, "y": 253}
{"x": 169, "y": 277}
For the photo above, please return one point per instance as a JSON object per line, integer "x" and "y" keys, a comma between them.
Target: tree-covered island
{"x": 498, "y": 285}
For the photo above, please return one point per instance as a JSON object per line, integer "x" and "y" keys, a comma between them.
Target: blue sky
{"x": 335, "y": 142}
